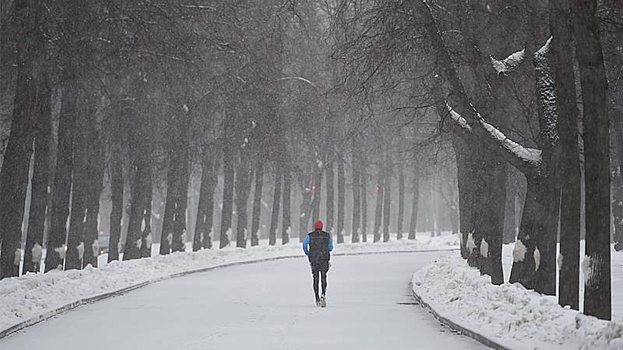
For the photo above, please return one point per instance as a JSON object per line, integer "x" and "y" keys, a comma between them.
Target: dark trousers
{"x": 319, "y": 274}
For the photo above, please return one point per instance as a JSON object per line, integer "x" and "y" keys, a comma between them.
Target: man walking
{"x": 317, "y": 246}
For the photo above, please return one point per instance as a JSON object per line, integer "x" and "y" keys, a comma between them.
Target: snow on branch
{"x": 510, "y": 63}
{"x": 529, "y": 155}
{"x": 457, "y": 118}
{"x": 525, "y": 155}
{"x": 545, "y": 48}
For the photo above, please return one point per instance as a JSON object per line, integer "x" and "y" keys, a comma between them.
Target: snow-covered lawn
{"x": 513, "y": 316}
{"x": 33, "y": 295}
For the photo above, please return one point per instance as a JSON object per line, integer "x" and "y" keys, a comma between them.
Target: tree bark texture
{"x": 29, "y": 42}
{"x": 364, "y": 204}
{"x": 61, "y": 190}
{"x": 140, "y": 204}
{"x": 181, "y": 197}
{"x": 564, "y": 75}
{"x": 355, "y": 231}
{"x": 387, "y": 196}
{"x": 316, "y": 191}
{"x": 306, "y": 183}
{"x": 40, "y": 180}
{"x": 75, "y": 244}
{"x": 228, "y": 188}
{"x": 243, "y": 187}
{"x": 205, "y": 209}
{"x": 116, "y": 178}
{"x": 330, "y": 180}
{"x": 617, "y": 179}
{"x": 597, "y": 292}
{"x": 414, "y": 205}
{"x": 286, "y": 221}
{"x": 341, "y": 198}
{"x": 379, "y": 191}
{"x": 401, "y": 200}
{"x": 465, "y": 179}
{"x": 257, "y": 203}
{"x": 95, "y": 178}
{"x": 274, "y": 218}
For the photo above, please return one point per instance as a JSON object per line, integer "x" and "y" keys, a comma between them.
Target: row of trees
{"x": 325, "y": 105}
{"x": 517, "y": 82}
{"x": 117, "y": 110}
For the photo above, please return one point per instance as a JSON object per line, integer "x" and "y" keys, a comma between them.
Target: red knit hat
{"x": 318, "y": 225}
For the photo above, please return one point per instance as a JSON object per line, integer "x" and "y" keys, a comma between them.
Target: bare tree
{"x": 597, "y": 292}
{"x": 40, "y": 181}
{"x": 28, "y": 41}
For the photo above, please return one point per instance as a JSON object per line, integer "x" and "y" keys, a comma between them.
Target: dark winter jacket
{"x": 317, "y": 246}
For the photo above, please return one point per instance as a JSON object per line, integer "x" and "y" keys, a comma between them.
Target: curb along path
{"x": 456, "y": 327}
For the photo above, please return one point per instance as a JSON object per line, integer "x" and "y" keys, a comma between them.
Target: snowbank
{"x": 37, "y": 296}
{"x": 508, "y": 314}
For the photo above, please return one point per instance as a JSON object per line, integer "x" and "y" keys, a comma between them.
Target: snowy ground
{"x": 35, "y": 294}
{"x": 267, "y": 305}
{"x": 513, "y": 316}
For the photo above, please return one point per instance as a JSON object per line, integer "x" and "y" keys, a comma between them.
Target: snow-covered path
{"x": 258, "y": 306}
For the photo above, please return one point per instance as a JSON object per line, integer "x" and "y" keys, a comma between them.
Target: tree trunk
{"x": 387, "y": 196}
{"x": 364, "y": 205}
{"x": 182, "y": 177}
{"x": 228, "y": 193}
{"x": 40, "y": 180}
{"x": 378, "y": 214}
{"x": 433, "y": 210}
{"x": 205, "y": 207}
{"x": 534, "y": 256}
{"x": 401, "y": 201}
{"x": 116, "y": 178}
{"x": 330, "y": 175}
{"x": 286, "y": 221}
{"x": 617, "y": 179}
{"x": 597, "y": 292}
{"x": 564, "y": 75}
{"x": 116, "y": 214}
{"x": 140, "y": 205}
{"x": 95, "y": 178}
{"x": 146, "y": 235}
{"x": 465, "y": 179}
{"x": 316, "y": 192}
{"x": 75, "y": 244}
{"x": 306, "y": 203}
{"x": 414, "y": 206}
{"x": 242, "y": 198}
{"x": 454, "y": 217}
{"x": 491, "y": 219}
{"x": 29, "y": 42}
{"x": 355, "y": 231}
{"x": 61, "y": 190}
{"x": 257, "y": 203}
{"x": 510, "y": 218}
{"x": 534, "y": 242}
{"x": 341, "y": 198}
{"x": 274, "y": 218}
